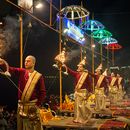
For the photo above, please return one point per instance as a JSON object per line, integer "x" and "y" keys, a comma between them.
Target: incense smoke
{"x": 9, "y": 35}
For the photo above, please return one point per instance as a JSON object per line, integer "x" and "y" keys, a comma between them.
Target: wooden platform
{"x": 92, "y": 124}
{"x": 116, "y": 117}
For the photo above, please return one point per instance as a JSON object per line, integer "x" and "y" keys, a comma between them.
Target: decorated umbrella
{"x": 91, "y": 25}
{"x": 101, "y": 34}
{"x": 73, "y": 13}
{"x": 107, "y": 41}
{"x": 113, "y": 47}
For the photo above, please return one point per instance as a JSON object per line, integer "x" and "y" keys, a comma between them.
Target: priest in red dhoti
{"x": 121, "y": 91}
{"x": 83, "y": 88}
{"x": 101, "y": 89}
{"x": 31, "y": 94}
{"x": 113, "y": 88}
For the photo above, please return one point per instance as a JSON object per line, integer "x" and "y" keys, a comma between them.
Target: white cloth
{"x": 100, "y": 99}
{"x": 81, "y": 111}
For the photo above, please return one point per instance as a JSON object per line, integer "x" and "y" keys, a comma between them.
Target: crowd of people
{"x": 8, "y": 119}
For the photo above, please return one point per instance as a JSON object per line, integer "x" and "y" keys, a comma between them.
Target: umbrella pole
{"x": 113, "y": 57}
{"x": 107, "y": 58}
{"x": 92, "y": 49}
{"x": 101, "y": 52}
{"x": 60, "y": 71}
{"x": 50, "y": 12}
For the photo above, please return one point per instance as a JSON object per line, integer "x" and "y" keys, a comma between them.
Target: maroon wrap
{"x": 23, "y": 75}
{"x": 87, "y": 83}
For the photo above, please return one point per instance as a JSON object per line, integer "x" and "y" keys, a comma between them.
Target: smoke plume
{"x": 9, "y": 35}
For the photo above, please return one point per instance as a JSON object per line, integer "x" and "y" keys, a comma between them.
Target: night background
{"x": 43, "y": 43}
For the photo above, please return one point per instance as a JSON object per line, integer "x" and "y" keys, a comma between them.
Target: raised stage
{"x": 117, "y": 117}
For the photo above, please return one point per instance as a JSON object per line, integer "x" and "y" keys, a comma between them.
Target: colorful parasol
{"x": 100, "y": 34}
{"x": 91, "y": 25}
{"x": 113, "y": 47}
{"x": 73, "y": 12}
{"x": 108, "y": 40}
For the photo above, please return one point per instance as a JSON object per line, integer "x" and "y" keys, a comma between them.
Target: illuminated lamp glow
{"x": 72, "y": 32}
{"x": 65, "y": 30}
{"x": 75, "y": 30}
{"x": 83, "y": 39}
{"x": 100, "y": 34}
{"x": 93, "y": 46}
{"x": 39, "y": 5}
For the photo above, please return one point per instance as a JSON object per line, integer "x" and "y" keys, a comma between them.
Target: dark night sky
{"x": 114, "y": 15}
{"x": 42, "y": 42}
